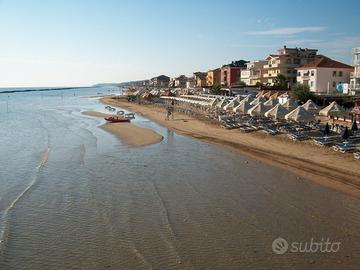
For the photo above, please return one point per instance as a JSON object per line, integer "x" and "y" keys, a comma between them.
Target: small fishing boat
{"x": 117, "y": 119}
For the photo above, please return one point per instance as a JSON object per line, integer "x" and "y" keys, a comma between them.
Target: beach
{"x": 329, "y": 168}
{"x": 74, "y": 195}
{"x": 129, "y": 133}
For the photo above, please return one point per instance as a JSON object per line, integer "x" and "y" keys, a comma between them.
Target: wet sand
{"x": 325, "y": 166}
{"x": 129, "y": 133}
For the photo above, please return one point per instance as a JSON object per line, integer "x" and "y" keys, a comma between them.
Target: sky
{"x": 84, "y": 42}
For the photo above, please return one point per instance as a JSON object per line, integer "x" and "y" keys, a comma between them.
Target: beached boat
{"x": 117, "y": 119}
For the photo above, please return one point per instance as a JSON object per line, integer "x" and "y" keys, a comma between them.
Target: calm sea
{"x": 75, "y": 197}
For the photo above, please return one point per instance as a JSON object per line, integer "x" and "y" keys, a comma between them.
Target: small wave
{"x": 4, "y": 225}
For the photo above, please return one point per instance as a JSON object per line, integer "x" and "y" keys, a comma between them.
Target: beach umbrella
{"x": 290, "y": 104}
{"x": 354, "y": 126}
{"x": 346, "y": 134}
{"x": 277, "y": 112}
{"x": 275, "y": 95}
{"x": 300, "y": 115}
{"x": 230, "y": 106}
{"x": 214, "y": 102}
{"x": 237, "y": 98}
{"x": 310, "y": 106}
{"x": 248, "y": 98}
{"x": 258, "y": 110}
{"x": 257, "y": 100}
{"x": 243, "y": 107}
{"x": 260, "y": 94}
{"x": 271, "y": 102}
{"x": 327, "y": 129}
{"x": 332, "y": 110}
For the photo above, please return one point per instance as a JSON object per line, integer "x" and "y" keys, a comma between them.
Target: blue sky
{"x": 82, "y": 42}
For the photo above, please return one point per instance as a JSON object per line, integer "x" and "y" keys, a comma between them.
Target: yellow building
{"x": 213, "y": 77}
{"x": 286, "y": 62}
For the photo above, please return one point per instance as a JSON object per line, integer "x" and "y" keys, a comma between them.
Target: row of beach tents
{"x": 261, "y": 106}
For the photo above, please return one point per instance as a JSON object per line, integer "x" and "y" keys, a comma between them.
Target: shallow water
{"x": 74, "y": 197}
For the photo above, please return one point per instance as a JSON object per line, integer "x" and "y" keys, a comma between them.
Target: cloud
{"x": 289, "y": 31}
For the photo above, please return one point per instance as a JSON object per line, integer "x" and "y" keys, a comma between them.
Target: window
{"x": 312, "y": 73}
{"x": 340, "y": 74}
{"x": 311, "y": 83}
{"x": 299, "y": 74}
{"x": 334, "y": 84}
{"x": 288, "y": 61}
{"x": 289, "y": 71}
{"x": 334, "y": 73}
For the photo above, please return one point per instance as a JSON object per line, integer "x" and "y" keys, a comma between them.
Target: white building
{"x": 324, "y": 75}
{"x": 253, "y": 73}
{"x": 355, "y": 76}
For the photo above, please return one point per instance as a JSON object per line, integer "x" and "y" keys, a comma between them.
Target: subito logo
{"x": 280, "y": 246}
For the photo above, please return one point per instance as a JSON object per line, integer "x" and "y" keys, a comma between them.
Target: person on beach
{"x": 168, "y": 113}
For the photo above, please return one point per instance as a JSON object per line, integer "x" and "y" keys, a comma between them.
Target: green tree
{"x": 215, "y": 89}
{"x": 242, "y": 84}
{"x": 301, "y": 92}
{"x": 281, "y": 81}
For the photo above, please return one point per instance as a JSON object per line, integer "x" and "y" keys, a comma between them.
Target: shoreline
{"x": 129, "y": 133}
{"x": 324, "y": 166}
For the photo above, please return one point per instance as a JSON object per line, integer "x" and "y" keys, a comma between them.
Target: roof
{"x": 324, "y": 62}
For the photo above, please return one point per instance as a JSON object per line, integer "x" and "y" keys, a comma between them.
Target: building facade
{"x": 355, "y": 76}
{"x": 213, "y": 77}
{"x": 179, "y": 82}
{"x": 254, "y": 73}
{"x": 230, "y": 76}
{"x": 160, "y": 81}
{"x": 200, "y": 79}
{"x": 286, "y": 62}
{"x": 323, "y": 75}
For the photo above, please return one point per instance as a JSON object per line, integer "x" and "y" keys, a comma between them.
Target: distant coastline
{"x": 18, "y": 90}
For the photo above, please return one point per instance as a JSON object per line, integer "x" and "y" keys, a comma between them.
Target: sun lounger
{"x": 325, "y": 141}
{"x": 298, "y": 136}
{"x": 344, "y": 147}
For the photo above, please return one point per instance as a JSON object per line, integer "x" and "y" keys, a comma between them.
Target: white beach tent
{"x": 248, "y": 98}
{"x": 243, "y": 107}
{"x": 271, "y": 102}
{"x": 214, "y": 102}
{"x": 221, "y": 103}
{"x": 258, "y": 100}
{"x": 300, "y": 115}
{"x": 277, "y": 112}
{"x": 333, "y": 110}
{"x": 231, "y": 105}
{"x": 310, "y": 106}
{"x": 290, "y": 104}
{"x": 258, "y": 110}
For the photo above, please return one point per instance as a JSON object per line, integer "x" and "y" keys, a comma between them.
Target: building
{"x": 230, "y": 75}
{"x": 355, "y": 76}
{"x": 323, "y": 75}
{"x": 160, "y": 81}
{"x": 286, "y": 62}
{"x": 200, "y": 79}
{"x": 190, "y": 82}
{"x": 213, "y": 77}
{"x": 179, "y": 82}
{"x": 253, "y": 74}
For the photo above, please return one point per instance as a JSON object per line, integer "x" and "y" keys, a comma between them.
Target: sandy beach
{"x": 325, "y": 166}
{"x": 129, "y": 133}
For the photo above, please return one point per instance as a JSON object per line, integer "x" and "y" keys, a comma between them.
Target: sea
{"x": 73, "y": 196}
